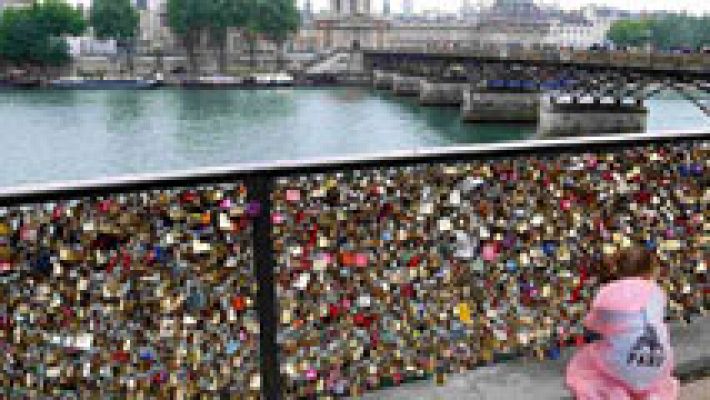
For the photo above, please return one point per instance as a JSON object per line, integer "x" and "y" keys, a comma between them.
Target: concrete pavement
{"x": 531, "y": 379}
{"x": 698, "y": 390}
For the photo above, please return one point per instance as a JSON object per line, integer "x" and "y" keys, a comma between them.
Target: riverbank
{"x": 182, "y": 85}
{"x": 255, "y": 81}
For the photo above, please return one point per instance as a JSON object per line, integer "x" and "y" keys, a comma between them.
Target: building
{"x": 155, "y": 33}
{"x": 351, "y": 24}
{"x": 14, "y": 3}
{"x": 584, "y": 28}
{"x": 408, "y": 7}
{"x": 350, "y": 7}
{"x": 307, "y": 11}
{"x": 469, "y": 9}
{"x": 602, "y": 18}
{"x": 573, "y": 31}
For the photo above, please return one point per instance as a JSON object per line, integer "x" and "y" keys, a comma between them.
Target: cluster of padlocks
{"x": 128, "y": 296}
{"x": 391, "y": 274}
{"x": 382, "y": 274}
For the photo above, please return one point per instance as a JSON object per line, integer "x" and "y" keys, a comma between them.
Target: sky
{"x": 694, "y": 6}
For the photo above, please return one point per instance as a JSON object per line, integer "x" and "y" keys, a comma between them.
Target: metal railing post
{"x": 259, "y": 189}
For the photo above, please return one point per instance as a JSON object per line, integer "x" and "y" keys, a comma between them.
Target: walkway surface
{"x": 699, "y": 390}
{"x": 529, "y": 379}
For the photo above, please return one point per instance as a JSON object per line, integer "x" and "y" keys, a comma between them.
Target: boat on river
{"x": 280, "y": 79}
{"x": 78, "y": 83}
{"x": 213, "y": 82}
{"x": 19, "y": 84}
{"x": 253, "y": 81}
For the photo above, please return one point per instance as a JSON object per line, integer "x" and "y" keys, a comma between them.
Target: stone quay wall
{"x": 403, "y": 85}
{"x": 433, "y": 93}
{"x": 581, "y": 119}
{"x": 498, "y": 106}
{"x": 383, "y": 79}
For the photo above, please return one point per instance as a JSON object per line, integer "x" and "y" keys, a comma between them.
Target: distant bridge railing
{"x": 296, "y": 279}
{"x": 696, "y": 63}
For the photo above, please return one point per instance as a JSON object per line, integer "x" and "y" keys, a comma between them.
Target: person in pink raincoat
{"x": 634, "y": 359}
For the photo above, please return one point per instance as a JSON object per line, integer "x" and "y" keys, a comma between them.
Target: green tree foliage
{"x": 279, "y": 20}
{"x": 271, "y": 19}
{"x": 677, "y": 30}
{"x": 226, "y": 14}
{"x": 252, "y": 24}
{"x": 57, "y": 18}
{"x": 188, "y": 20}
{"x": 629, "y": 33}
{"x": 118, "y": 20}
{"x": 663, "y": 33}
{"x": 275, "y": 20}
{"x": 34, "y": 36}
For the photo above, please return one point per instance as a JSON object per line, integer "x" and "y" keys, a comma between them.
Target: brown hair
{"x": 635, "y": 261}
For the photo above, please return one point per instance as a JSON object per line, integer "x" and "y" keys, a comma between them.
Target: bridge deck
{"x": 665, "y": 64}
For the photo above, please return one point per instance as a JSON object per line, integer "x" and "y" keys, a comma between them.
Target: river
{"x": 66, "y": 135}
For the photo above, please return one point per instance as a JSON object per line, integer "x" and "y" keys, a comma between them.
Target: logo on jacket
{"x": 648, "y": 350}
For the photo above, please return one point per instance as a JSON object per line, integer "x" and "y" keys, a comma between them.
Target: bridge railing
{"x": 295, "y": 279}
{"x": 695, "y": 63}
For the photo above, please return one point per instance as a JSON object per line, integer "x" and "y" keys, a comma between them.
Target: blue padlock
{"x": 549, "y": 248}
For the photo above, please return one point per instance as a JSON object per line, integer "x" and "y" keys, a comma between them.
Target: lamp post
{"x": 157, "y": 49}
{"x": 647, "y": 34}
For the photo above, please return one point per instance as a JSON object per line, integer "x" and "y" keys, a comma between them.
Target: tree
{"x": 33, "y": 36}
{"x": 677, "y": 30}
{"x": 629, "y": 33}
{"x": 226, "y": 14}
{"x": 272, "y": 19}
{"x": 275, "y": 20}
{"x": 188, "y": 20}
{"x": 279, "y": 19}
{"x": 252, "y": 24}
{"x": 118, "y": 20}
{"x": 663, "y": 32}
{"x": 57, "y": 18}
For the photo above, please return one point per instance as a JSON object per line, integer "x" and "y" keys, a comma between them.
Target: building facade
{"x": 14, "y": 3}
{"x": 506, "y": 23}
{"x": 408, "y": 7}
{"x": 351, "y": 24}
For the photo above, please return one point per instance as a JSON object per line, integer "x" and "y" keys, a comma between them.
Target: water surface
{"x": 67, "y": 135}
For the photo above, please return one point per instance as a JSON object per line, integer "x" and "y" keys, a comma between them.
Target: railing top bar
{"x": 207, "y": 175}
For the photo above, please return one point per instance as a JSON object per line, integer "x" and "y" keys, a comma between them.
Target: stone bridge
{"x": 685, "y": 67}
{"x": 606, "y": 90}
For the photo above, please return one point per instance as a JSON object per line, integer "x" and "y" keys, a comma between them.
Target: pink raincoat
{"x": 634, "y": 360}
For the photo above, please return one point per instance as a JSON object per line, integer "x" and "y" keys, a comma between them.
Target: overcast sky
{"x": 694, "y": 6}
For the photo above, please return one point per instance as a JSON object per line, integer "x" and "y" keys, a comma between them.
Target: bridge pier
{"x": 489, "y": 104}
{"x": 442, "y": 93}
{"x": 575, "y": 115}
{"x": 382, "y": 79}
{"x": 403, "y": 85}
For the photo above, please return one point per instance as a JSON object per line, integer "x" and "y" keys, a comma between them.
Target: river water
{"x": 66, "y": 135}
